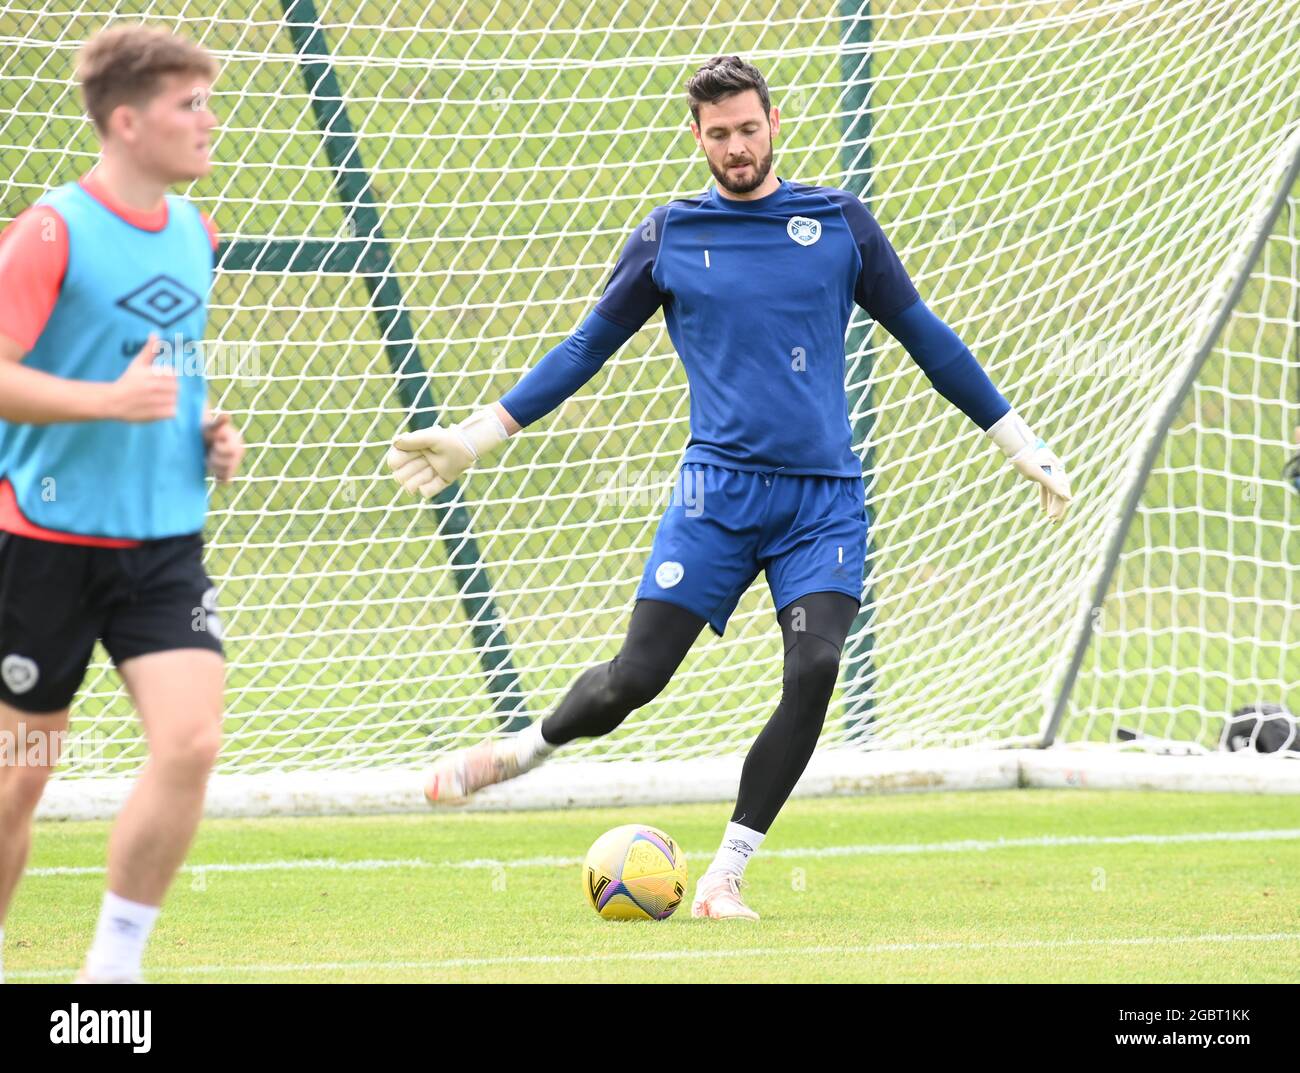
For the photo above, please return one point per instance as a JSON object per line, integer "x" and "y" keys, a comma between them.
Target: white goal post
{"x": 416, "y": 201}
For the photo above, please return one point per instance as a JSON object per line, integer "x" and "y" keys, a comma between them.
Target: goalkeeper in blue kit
{"x": 757, "y": 279}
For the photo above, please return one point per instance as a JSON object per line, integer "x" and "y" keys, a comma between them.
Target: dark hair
{"x": 721, "y": 77}
{"x": 126, "y": 65}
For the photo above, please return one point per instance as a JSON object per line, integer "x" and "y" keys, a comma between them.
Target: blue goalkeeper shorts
{"x": 807, "y": 534}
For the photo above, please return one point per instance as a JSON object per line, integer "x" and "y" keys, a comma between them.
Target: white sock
{"x": 124, "y": 928}
{"x": 738, "y": 845}
{"x": 530, "y": 747}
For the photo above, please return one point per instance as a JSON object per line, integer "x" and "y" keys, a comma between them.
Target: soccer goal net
{"x": 417, "y": 201}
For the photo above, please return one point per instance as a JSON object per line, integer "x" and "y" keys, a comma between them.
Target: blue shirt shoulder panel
{"x": 883, "y": 288}
{"x": 631, "y": 296}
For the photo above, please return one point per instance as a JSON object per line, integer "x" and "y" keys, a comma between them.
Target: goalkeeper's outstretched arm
{"x": 427, "y": 460}
{"x": 959, "y": 378}
{"x": 886, "y": 292}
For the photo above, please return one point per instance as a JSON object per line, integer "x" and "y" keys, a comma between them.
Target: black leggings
{"x": 660, "y": 634}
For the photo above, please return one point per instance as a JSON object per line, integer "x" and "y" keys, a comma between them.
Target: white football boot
{"x": 718, "y": 896}
{"x": 455, "y": 778}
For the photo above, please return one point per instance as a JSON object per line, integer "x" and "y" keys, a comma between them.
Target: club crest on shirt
{"x": 19, "y": 673}
{"x": 669, "y": 573}
{"x": 803, "y": 230}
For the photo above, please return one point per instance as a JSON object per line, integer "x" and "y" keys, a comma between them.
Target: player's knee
{"x": 632, "y": 685}
{"x": 604, "y": 696}
{"x": 623, "y": 688}
{"x": 814, "y": 666}
{"x": 191, "y": 752}
{"x": 21, "y": 787}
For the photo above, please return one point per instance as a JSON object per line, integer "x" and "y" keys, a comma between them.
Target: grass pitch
{"x": 1021, "y": 886}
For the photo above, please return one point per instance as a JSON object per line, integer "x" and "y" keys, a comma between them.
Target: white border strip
{"x": 593, "y": 784}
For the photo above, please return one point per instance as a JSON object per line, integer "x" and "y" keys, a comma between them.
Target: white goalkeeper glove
{"x": 1032, "y": 457}
{"x": 429, "y": 459}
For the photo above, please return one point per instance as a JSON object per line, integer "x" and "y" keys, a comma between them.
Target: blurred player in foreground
{"x": 105, "y": 447}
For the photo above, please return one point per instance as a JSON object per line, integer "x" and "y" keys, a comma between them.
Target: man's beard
{"x": 745, "y": 186}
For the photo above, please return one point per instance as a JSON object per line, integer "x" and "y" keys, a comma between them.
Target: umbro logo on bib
{"x": 162, "y": 301}
{"x": 803, "y": 230}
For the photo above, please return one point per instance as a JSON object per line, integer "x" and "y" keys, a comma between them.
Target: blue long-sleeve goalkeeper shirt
{"x": 757, "y": 297}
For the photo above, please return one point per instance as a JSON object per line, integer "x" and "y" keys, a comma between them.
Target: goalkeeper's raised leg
{"x": 659, "y": 636}
{"x": 427, "y": 461}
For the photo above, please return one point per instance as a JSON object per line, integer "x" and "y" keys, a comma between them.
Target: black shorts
{"x": 56, "y": 600}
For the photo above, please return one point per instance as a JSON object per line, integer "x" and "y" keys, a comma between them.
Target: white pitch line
{"x": 881, "y": 849}
{"x": 697, "y": 955}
